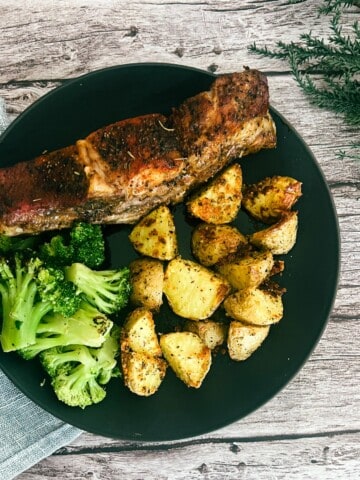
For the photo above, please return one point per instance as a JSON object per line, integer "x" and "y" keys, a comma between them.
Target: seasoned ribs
{"x": 120, "y": 172}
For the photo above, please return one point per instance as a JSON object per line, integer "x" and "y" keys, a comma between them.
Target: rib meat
{"x": 120, "y": 172}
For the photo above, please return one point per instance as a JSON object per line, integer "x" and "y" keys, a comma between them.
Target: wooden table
{"x": 312, "y": 428}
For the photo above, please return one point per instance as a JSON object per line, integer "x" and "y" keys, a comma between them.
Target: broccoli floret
{"x": 87, "y": 326}
{"x": 107, "y": 290}
{"x": 54, "y": 358}
{"x": 83, "y": 243}
{"x": 57, "y": 252}
{"x": 29, "y": 291}
{"x": 78, "y": 373}
{"x": 21, "y": 308}
{"x": 76, "y": 386}
{"x": 60, "y": 293}
{"x": 106, "y": 356}
{"x": 88, "y": 243}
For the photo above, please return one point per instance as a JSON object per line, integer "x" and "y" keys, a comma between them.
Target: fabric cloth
{"x": 27, "y": 432}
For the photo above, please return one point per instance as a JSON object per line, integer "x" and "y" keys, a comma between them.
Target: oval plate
{"x": 231, "y": 390}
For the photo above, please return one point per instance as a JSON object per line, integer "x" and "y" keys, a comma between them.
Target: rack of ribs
{"x": 120, "y": 172}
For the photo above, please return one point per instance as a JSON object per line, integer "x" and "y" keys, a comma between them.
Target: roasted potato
{"x": 212, "y": 333}
{"x": 138, "y": 333}
{"x": 270, "y": 198}
{"x": 154, "y": 235}
{"x": 280, "y": 237}
{"x": 243, "y": 340}
{"x": 254, "y": 306}
{"x": 147, "y": 279}
{"x": 219, "y": 201}
{"x": 142, "y": 366}
{"x": 246, "y": 271}
{"x": 210, "y": 243}
{"x": 193, "y": 291}
{"x": 142, "y": 373}
{"x": 187, "y": 355}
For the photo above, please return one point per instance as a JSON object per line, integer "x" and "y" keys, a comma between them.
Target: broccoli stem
{"x": 107, "y": 290}
{"x": 86, "y": 327}
{"x": 21, "y": 312}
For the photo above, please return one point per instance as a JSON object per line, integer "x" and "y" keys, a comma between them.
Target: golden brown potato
{"x": 142, "y": 373}
{"x": 147, "y": 279}
{"x": 246, "y": 271}
{"x": 142, "y": 366}
{"x": 193, "y": 291}
{"x": 154, "y": 235}
{"x": 138, "y": 333}
{"x": 219, "y": 201}
{"x": 243, "y": 339}
{"x": 270, "y": 198}
{"x": 280, "y": 237}
{"x": 210, "y": 243}
{"x": 254, "y": 306}
{"x": 212, "y": 333}
{"x": 187, "y": 355}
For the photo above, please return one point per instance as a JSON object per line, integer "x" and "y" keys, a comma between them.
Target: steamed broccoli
{"x": 56, "y": 251}
{"x": 53, "y": 304}
{"x": 107, "y": 290}
{"x": 83, "y": 243}
{"x": 21, "y": 309}
{"x": 87, "y": 326}
{"x": 78, "y": 372}
{"x": 88, "y": 243}
{"x": 29, "y": 291}
{"x": 60, "y": 293}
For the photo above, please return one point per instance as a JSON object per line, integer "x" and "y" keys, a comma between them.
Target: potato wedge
{"x": 212, "y": 333}
{"x": 187, "y": 355}
{"x": 254, "y": 306}
{"x": 270, "y": 198}
{"x": 147, "y": 279}
{"x": 243, "y": 340}
{"x": 193, "y": 291}
{"x": 211, "y": 243}
{"x": 154, "y": 235}
{"x": 247, "y": 271}
{"x": 140, "y": 353}
{"x": 138, "y": 333}
{"x": 280, "y": 237}
{"x": 219, "y": 201}
{"x": 142, "y": 373}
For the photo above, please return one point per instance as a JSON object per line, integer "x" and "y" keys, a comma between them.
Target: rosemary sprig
{"x": 353, "y": 152}
{"x": 328, "y": 71}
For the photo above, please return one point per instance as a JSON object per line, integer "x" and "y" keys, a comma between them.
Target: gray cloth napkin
{"x": 27, "y": 432}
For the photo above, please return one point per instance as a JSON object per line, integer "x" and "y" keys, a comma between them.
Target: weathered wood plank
{"x": 63, "y": 41}
{"x": 328, "y": 456}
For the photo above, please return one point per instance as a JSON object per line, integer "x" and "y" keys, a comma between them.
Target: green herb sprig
{"x": 328, "y": 71}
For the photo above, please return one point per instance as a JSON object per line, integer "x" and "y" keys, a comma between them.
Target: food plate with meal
{"x": 221, "y": 214}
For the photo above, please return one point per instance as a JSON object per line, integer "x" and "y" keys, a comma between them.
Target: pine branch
{"x": 336, "y": 63}
{"x": 333, "y": 5}
{"x": 343, "y": 97}
{"x": 353, "y": 152}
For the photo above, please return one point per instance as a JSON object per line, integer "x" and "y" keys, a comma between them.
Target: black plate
{"x": 231, "y": 390}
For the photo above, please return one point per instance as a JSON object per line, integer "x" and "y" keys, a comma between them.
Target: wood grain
{"x": 56, "y": 40}
{"x": 324, "y": 456}
{"x": 312, "y": 428}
